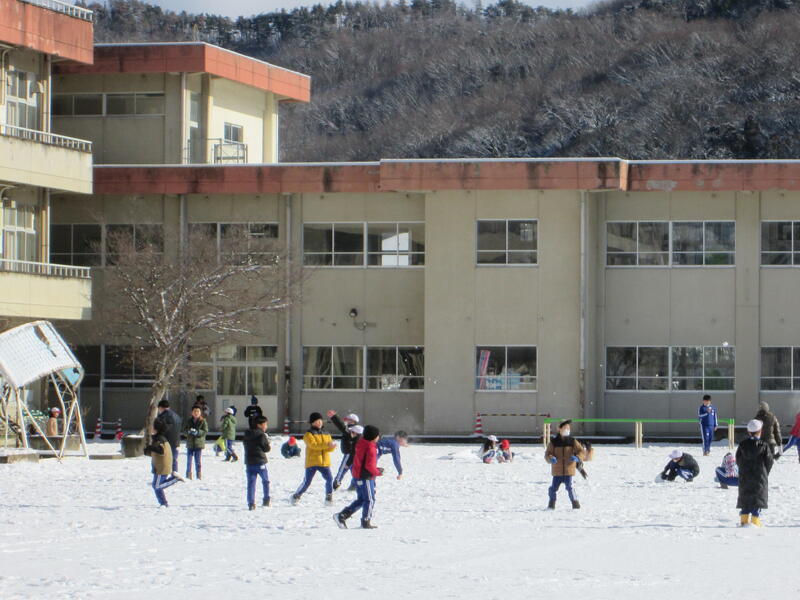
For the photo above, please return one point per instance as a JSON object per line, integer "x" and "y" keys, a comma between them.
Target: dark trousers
{"x": 750, "y": 511}
{"x": 160, "y": 483}
{"x": 708, "y": 437}
{"x": 310, "y": 472}
{"x": 253, "y": 473}
{"x": 176, "y": 450}
{"x": 722, "y": 478}
{"x": 229, "y": 451}
{"x": 342, "y": 470}
{"x": 557, "y": 481}
{"x": 365, "y": 499}
{"x": 193, "y": 454}
{"x": 673, "y": 471}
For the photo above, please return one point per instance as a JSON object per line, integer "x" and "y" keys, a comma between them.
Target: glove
{"x": 574, "y": 459}
{"x": 553, "y": 460}
{"x": 380, "y": 470}
{"x": 193, "y": 432}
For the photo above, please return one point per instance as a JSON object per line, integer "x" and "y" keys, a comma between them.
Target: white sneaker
{"x": 177, "y": 476}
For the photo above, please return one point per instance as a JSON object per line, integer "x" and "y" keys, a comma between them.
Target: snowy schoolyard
{"x": 451, "y": 528}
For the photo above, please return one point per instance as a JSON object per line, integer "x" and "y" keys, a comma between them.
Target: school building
{"x": 437, "y": 289}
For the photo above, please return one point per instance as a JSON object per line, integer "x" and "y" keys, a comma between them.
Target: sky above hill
{"x": 236, "y": 8}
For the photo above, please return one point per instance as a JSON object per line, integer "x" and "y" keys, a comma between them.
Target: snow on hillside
{"x": 452, "y": 528}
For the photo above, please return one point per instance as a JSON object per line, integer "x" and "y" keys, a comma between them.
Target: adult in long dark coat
{"x": 754, "y": 458}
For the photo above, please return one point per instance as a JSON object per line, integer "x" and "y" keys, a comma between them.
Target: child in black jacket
{"x": 256, "y": 446}
{"x": 347, "y": 445}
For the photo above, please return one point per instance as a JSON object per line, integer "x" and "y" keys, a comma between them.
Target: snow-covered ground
{"x": 451, "y": 528}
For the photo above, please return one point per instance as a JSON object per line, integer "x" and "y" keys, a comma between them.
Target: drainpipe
{"x": 3, "y": 55}
{"x": 287, "y": 351}
{"x": 583, "y": 301}
{"x": 184, "y": 154}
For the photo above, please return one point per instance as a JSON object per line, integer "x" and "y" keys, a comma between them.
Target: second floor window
{"x": 76, "y": 244}
{"x": 505, "y": 368}
{"x": 254, "y": 240}
{"x": 20, "y": 238}
{"x": 22, "y": 100}
{"x": 780, "y": 243}
{"x": 364, "y": 244}
{"x": 143, "y": 236}
{"x": 665, "y": 243}
{"x": 507, "y": 242}
{"x": 780, "y": 368}
{"x": 663, "y": 368}
{"x": 233, "y": 134}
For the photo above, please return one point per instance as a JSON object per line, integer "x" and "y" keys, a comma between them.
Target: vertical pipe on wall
{"x": 184, "y": 157}
{"x": 287, "y": 320}
{"x": 583, "y": 297}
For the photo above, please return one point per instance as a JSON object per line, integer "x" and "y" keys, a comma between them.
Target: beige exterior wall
{"x": 31, "y": 163}
{"x": 43, "y": 297}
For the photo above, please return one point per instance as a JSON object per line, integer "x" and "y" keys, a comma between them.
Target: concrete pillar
{"x": 270, "y": 150}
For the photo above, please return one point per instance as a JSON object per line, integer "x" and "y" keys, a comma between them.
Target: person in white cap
{"x": 754, "y": 457}
{"x": 347, "y": 445}
{"x": 51, "y": 429}
{"x": 489, "y": 449}
{"x": 681, "y": 464}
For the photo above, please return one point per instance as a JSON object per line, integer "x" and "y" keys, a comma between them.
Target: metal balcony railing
{"x": 47, "y": 269}
{"x": 64, "y": 8}
{"x": 44, "y": 137}
{"x": 230, "y": 152}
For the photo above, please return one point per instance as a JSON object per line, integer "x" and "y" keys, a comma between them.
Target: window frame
{"x": 505, "y": 389}
{"x": 669, "y": 389}
{"x": 671, "y": 252}
{"x": 72, "y": 254}
{"x": 397, "y": 348}
{"x": 218, "y": 225}
{"x": 104, "y": 104}
{"x": 534, "y": 220}
{"x": 364, "y": 246}
{"x": 362, "y": 377}
{"x": 761, "y": 252}
{"x": 104, "y": 239}
{"x": 232, "y": 127}
{"x": 792, "y": 370}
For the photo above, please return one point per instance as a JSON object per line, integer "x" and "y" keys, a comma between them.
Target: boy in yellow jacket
{"x": 319, "y": 446}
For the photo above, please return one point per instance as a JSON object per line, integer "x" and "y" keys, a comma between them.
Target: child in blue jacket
{"x": 392, "y": 446}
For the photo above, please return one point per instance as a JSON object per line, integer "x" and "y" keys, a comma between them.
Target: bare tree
{"x": 212, "y": 293}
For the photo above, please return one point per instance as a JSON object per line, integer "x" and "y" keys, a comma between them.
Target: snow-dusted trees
{"x": 214, "y": 290}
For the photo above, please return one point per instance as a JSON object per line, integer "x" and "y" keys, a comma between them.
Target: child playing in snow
{"x": 754, "y": 457}
{"x": 195, "y": 429}
{"x": 681, "y": 464}
{"x": 392, "y": 446}
{"x": 348, "y": 443}
{"x": 365, "y": 470}
{"x": 727, "y": 474}
{"x": 228, "y": 431}
{"x": 794, "y": 436}
{"x": 290, "y": 449}
{"x": 505, "y": 454}
{"x": 489, "y": 449}
{"x": 563, "y": 453}
{"x": 51, "y": 429}
{"x": 319, "y": 446}
{"x": 256, "y": 446}
{"x": 161, "y": 453}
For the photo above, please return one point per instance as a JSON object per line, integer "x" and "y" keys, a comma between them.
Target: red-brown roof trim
{"x": 194, "y": 57}
{"x": 47, "y": 31}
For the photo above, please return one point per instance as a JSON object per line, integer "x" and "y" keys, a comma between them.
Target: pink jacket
{"x": 796, "y": 429}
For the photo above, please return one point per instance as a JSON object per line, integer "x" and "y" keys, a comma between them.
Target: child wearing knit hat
{"x": 365, "y": 469}
{"x": 319, "y": 446}
{"x": 290, "y": 449}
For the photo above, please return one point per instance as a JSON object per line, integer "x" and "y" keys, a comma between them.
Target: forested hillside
{"x": 638, "y": 79}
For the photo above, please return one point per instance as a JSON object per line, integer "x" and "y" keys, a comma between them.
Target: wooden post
{"x": 638, "y": 434}
{"x": 731, "y": 435}
{"x": 546, "y": 434}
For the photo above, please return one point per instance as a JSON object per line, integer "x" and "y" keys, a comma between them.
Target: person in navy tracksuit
{"x": 707, "y": 415}
{"x": 365, "y": 470}
{"x": 392, "y": 446}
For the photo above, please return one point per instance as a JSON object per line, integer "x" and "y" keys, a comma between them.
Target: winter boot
{"x": 723, "y": 485}
{"x": 744, "y": 520}
{"x": 177, "y": 476}
{"x": 551, "y": 505}
{"x": 336, "y": 485}
{"x": 328, "y": 499}
{"x": 199, "y": 477}
{"x": 189, "y": 476}
{"x": 341, "y": 519}
{"x": 756, "y": 521}
{"x": 227, "y": 458}
{"x": 251, "y": 507}
{"x": 266, "y": 502}
{"x": 365, "y": 524}
{"x": 235, "y": 458}
{"x": 295, "y": 499}
{"x": 576, "y": 504}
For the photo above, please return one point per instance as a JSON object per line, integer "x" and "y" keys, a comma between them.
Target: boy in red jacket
{"x": 365, "y": 470}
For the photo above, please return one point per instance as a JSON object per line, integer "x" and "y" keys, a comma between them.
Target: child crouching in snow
{"x": 161, "y": 454}
{"x": 728, "y": 473}
{"x": 504, "y": 454}
{"x": 681, "y": 464}
{"x": 489, "y": 449}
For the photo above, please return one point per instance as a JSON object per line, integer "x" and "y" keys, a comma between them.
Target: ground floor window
{"x": 395, "y": 368}
{"x": 505, "y": 368}
{"x": 780, "y": 368}
{"x": 663, "y": 368}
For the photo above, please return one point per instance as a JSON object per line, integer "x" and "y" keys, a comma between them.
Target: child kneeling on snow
{"x": 290, "y": 449}
{"x": 563, "y": 453}
{"x": 161, "y": 453}
{"x": 505, "y": 454}
{"x": 681, "y": 464}
{"x": 489, "y": 449}
{"x": 728, "y": 472}
{"x": 365, "y": 469}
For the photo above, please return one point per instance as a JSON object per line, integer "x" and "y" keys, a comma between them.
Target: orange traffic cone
{"x": 118, "y": 435}
{"x": 98, "y": 430}
{"x": 286, "y": 426}
{"x": 478, "y": 425}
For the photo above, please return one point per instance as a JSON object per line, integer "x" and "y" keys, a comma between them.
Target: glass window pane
{"x": 118, "y": 362}
{"x": 318, "y": 237}
{"x": 490, "y": 367}
{"x": 347, "y": 360}
{"x": 620, "y": 259}
{"x": 651, "y": 259}
{"x": 776, "y": 362}
{"x": 416, "y": 236}
{"x": 411, "y": 361}
{"x": 61, "y": 105}
{"x": 348, "y": 260}
{"x": 519, "y": 258}
{"x": 776, "y": 258}
{"x": 687, "y": 383}
{"x": 776, "y": 383}
{"x": 687, "y": 361}
{"x": 317, "y": 259}
{"x": 381, "y": 361}
{"x": 653, "y": 362}
{"x": 620, "y": 383}
{"x": 60, "y": 239}
{"x": 620, "y": 362}
{"x": 718, "y": 383}
{"x": 230, "y": 353}
{"x": 347, "y": 383}
{"x": 231, "y": 381}
{"x": 796, "y": 230}
{"x": 653, "y": 237}
{"x": 620, "y": 237}
{"x": 491, "y": 235}
{"x": 150, "y": 237}
{"x": 261, "y": 380}
{"x": 383, "y": 237}
{"x": 720, "y": 237}
{"x": 150, "y": 104}
{"x": 776, "y": 236}
{"x": 687, "y": 258}
{"x": 491, "y": 258}
{"x": 720, "y": 258}
{"x": 348, "y": 237}
{"x": 687, "y": 237}
{"x": 88, "y": 104}
{"x": 522, "y": 235}
{"x": 719, "y": 361}
{"x": 260, "y": 353}
{"x": 521, "y": 367}
{"x": 120, "y": 104}
{"x": 86, "y": 239}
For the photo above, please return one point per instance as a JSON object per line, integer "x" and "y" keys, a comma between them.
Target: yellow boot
{"x": 756, "y": 521}
{"x": 744, "y": 520}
